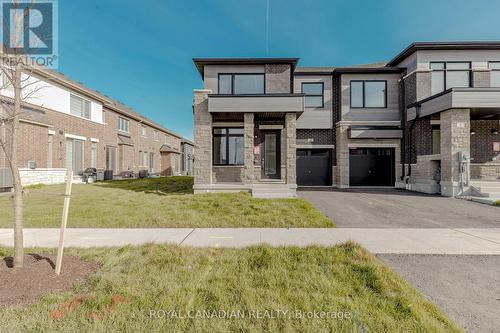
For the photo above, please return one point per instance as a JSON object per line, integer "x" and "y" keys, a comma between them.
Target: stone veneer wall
{"x": 46, "y": 176}
{"x": 342, "y": 153}
{"x": 487, "y": 171}
{"x": 228, "y": 174}
{"x": 248, "y": 169}
{"x": 291, "y": 150}
{"x": 455, "y": 137}
{"x": 202, "y": 138}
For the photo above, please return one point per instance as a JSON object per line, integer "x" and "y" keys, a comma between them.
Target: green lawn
{"x": 344, "y": 279}
{"x": 158, "y": 202}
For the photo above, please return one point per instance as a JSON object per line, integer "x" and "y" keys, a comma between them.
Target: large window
{"x": 314, "y": 94}
{"x": 494, "y": 74}
{"x": 79, "y": 107}
{"x": 228, "y": 146}
{"x": 368, "y": 94}
{"x": 446, "y": 75}
{"x": 123, "y": 124}
{"x": 244, "y": 84}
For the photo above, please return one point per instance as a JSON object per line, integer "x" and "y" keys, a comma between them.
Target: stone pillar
{"x": 342, "y": 151}
{"x": 291, "y": 148}
{"x": 248, "y": 172}
{"x": 202, "y": 138}
{"x": 455, "y": 138}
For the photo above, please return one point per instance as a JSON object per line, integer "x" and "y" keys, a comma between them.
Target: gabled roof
{"x": 201, "y": 62}
{"x": 107, "y": 101}
{"x": 467, "y": 45}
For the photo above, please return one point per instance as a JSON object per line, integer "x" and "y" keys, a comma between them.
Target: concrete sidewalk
{"x": 378, "y": 241}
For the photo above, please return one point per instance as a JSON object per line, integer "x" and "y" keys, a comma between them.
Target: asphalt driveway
{"x": 467, "y": 288}
{"x": 392, "y": 208}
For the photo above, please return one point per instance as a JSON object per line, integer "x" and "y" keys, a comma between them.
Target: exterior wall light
{"x": 494, "y": 131}
{"x": 472, "y": 132}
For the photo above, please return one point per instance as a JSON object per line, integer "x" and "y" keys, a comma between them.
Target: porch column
{"x": 455, "y": 138}
{"x": 342, "y": 151}
{"x": 248, "y": 172}
{"x": 202, "y": 138}
{"x": 291, "y": 148}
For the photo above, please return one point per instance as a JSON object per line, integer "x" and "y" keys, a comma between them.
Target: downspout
{"x": 403, "y": 125}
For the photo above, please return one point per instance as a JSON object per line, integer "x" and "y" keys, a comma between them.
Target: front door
{"x": 271, "y": 153}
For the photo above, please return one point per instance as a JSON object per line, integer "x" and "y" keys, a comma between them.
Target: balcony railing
{"x": 274, "y": 103}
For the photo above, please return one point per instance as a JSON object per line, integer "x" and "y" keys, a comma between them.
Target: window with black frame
{"x": 368, "y": 94}
{"x": 228, "y": 146}
{"x": 446, "y": 75}
{"x": 314, "y": 94}
{"x": 241, "y": 84}
{"x": 494, "y": 73}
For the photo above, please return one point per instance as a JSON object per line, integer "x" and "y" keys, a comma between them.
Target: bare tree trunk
{"x": 18, "y": 189}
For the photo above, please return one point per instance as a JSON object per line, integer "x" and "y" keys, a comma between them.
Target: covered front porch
{"x": 252, "y": 148}
{"x": 462, "y": 154}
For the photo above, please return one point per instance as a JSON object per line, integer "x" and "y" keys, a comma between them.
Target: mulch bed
{"x": 21, "y": 286}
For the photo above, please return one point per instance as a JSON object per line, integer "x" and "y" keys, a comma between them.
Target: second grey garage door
{"x": 313, "y": 167}
{"x": 371, "y": 167}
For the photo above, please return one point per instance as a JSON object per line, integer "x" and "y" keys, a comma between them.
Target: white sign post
{"x": 67, "y": 197}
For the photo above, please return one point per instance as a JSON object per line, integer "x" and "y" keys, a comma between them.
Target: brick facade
{"x": 34, "y": 142}
{"x": 481, "y": 143}
{"x": 278, "y": 78}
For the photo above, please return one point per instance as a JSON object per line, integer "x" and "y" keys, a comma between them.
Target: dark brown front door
{"x": 271, "y": 153}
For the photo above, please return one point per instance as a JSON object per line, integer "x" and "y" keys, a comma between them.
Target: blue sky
{"x": 140, "y": 52}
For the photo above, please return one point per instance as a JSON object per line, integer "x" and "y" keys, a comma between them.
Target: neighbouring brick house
{"x": 426, "y": 121}
{"x": 67, "y": 125}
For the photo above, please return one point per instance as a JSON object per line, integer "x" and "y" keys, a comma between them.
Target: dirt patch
{"x": 37, "y": 278}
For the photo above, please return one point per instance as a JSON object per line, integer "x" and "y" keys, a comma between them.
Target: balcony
{"x": 481, "y": 101}
{"x": 265, "y": 103}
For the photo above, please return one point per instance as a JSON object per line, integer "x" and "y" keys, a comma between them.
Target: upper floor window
{"x": 369, "y": 94}
{"x": 79, "y": 107}
{"x": 155, "y": 135}
{"x": 244, "y": 83}
{"x": 446, "y": 75}
{"x": 142, "y": 130}
{"x": 314, "y": 94}
{"x": 228, "y": 146}
{"x": 495, "y": 73}
{"x": 123, "y": 124}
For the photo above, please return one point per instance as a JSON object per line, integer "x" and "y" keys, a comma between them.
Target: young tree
{"x": 17, "y": 86}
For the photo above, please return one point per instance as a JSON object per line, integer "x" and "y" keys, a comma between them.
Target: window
{"x": 123, "y": 124}
{"x": 79, "y": 107}
{"x": 145, "y": 158}
{"x": 50, "y": 149}
{"x": 446, "y": 75}
{"x": 155, "y": 135}
{"x": 436, "y": 139}
{"x": 228, "y": 144}
{"x": 368, "y": 94}
{"x": 494, "y": 74}
{"x": 314, "y": 94}
{"x": 142, "y": 130}
{"x": 6, "y": 84}
{"x": 74, "y": 155}
{"x": 93, "y": 155}
{"x": 103, "y": 116}
{"x": 111, "y": 158}
{"x": 241, "y": 84}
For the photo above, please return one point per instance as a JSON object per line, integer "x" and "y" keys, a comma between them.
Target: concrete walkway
{"x": 379, "y": 241}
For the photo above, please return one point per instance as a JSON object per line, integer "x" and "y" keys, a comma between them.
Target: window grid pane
{"x": 225, "y": 84}
{"x": 357, "y": 94}
{"x": 495, "y": 79}
{"x": 312, "y": 88}
{"x": 374, "y": 94}
{"x": 249, "y": 84}
{"x": 313, "y": 101}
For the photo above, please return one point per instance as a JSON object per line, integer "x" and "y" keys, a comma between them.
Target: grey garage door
{"x": 313, "y": 167}
{"x": 371, "y": 167}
